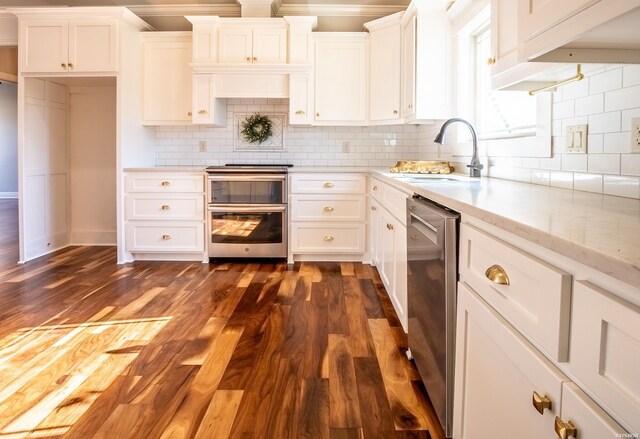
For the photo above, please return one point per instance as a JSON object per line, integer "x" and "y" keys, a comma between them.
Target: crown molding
{"x": 220, "y": 10}
{"x": 281, "y": 9}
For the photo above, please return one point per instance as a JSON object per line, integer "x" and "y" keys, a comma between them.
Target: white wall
{"x": 8, "y": 140}
{"x": 305, "y": 146}
{"x": 92, "y": 139}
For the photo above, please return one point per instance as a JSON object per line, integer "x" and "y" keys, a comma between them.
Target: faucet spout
{"x": 475, "y": 167}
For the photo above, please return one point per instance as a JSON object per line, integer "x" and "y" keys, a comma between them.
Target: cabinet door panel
{"x": 270, "y": 45}
{"x": 374, "y": 230}
{"x": 300, "y": 94}
{"x": 340, "y": 93}
{"x": 535, "y": 16}
{"x": 36, "y": 143}
{"x": 35, "y": 224}
{"x": 385, "y": 74}
{"x": 44, "y": 45}
{"x": 57, "y": 139}
{"x": 605, "y": 349}
{"x": 57, "y": 230}
{"x": 491, "y": 357}
{"x": 235, "y": 45}
{"x": 93, "y": 45}
{"x": 589, "y": 419}
{"x": 409, "y": 68}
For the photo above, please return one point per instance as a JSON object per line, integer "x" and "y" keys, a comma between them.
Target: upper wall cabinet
{"x": 426, "y": 63}
{"x": 82, "y": 40}
{"x": 385, "y": 44}
{"x": 341, "y": 78}
{"x": 167, "y": 78}
{"x": 253, "y": 45}
{"x": 579, "y": 31}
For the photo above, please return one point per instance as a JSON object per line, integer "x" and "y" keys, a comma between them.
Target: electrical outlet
{"x": 577, "y": 138}
{"x": 346, "y": 146}
{"x": 635, "y": 134}
{"x": 203, "y": 145}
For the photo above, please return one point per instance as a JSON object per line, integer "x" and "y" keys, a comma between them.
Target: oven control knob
{"x": 246, "y": 249}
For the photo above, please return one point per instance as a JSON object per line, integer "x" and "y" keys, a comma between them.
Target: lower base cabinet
{"x": 506, "y": 388}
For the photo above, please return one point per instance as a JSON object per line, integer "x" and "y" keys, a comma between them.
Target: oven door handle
{"x": 247, "y": 178}
{"x": 247, "y": 208}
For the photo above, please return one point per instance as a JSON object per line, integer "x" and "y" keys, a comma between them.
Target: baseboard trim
{"x": 93, "y": 237}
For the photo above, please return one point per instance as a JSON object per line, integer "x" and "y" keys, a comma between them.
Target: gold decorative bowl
{"x": 422, "y": 167}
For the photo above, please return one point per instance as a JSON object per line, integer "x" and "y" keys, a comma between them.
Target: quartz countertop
{"x": 599, "y": 231}
{"x": 167, "y": 169}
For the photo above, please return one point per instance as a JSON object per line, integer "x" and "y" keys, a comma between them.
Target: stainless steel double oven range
{"x": 247, "y": 211}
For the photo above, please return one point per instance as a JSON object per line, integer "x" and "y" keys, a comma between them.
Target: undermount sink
{"x": 434, "y": 178}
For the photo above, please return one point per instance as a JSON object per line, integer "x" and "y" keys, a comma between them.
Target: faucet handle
{"x": 479, "y": 166}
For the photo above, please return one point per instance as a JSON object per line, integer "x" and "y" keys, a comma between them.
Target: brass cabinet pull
{"x": 63, "y": 65}
{"x": 166, "y": 237}
{"x": 496, "y": 274}
{"x": 165, "y": 207}
{"x": 565, "y": 430}
{"x": 410, "y": 106}
{"x": 328, "y": 209}
{"x": 255, "y": 58}
{"x": 249, "y": 58}
{"x": 328, "y": 238}
{"x": 300, "y": 112}
{"x": 540, "y": 402}
{"x": 491, "y": 61}
{"x": 328, "y": 185}
{"x": 70, "y": 65}
{"x": 189, "y": 114}
{"x": 317, "y": 114}
{"x": 165, "y": 183}
{"x": 202, "y": 112}
{"x": 389, "y": 226}
{"x": 375, "y": 188}
{"x": 395, "y": 111}
{"x": 414, "y": 237}
{"x": 373, "y": 208}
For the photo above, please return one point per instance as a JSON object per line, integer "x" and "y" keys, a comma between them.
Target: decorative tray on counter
{"x": 422, "y": 167}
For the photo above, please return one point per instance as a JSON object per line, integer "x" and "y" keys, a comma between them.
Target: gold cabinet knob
{"x": 410, "y": 106}
{"x": 328, "y": 185}
{"x": 395, "y": 111}
{"x": 300, "y": 112}
{"x": 328, "y": 238}
{"x": 249, "y": 59}
{"x": 375, "y": 188}
{"x": 165, "y": 207}
{"x": 255, "y": 59}
{"x": 496, "y": 274}
{"x": 63, "y": 65}
{"x": 189, "y": 114}
{"x": 540, "y": 402}
{"x": 165, "y": 183}
{"x": 166, "y": 237}
{"x": 328, "y": 209}
{"x": 70, "y": 65}
{"x": 491, "y": 61}
{"x": 373, "y": 208}
{"x": 389, "y": 226}
{"x": 317, "y": 114}
{"x": 565, "y": 430}
{"x": 202, "y": 112}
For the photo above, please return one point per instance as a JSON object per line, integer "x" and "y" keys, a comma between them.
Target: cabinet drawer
{"x": 147, "y": 236}
{"x": 164, "y": 183}
{"x": 328, "y": 184}
{"x": 166, "y": 207}
{"x": 536, "y": 299}
{"x": 393, "y": 199}
{"x": 605, "y": 349}
{"x": 320, "y": 238}
{"x": 323, "y": 208}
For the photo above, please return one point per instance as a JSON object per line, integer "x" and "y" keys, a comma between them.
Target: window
{"x": 499, "y": 114}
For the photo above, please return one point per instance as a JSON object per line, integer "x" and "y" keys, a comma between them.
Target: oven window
{"x": 247, "y": 192}
{"x": 246, "y": 228}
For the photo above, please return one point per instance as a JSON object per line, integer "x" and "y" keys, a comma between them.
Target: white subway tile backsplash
{"x": 587, "y": 182}
{"x": 631, "y": 75}
{"x": 595, "y": 143}
{"x": 604, "y": 122}
{"x": 604, "y": 163}
{"x": 630, "y": 164}
{"x": 561, "y": 179}
{"x": 622, "y": 186}
{"x": 540, "y": 177}
{"x": 574, "y": 162}
{"x": 587, "y": 105}
{"x": 622, "y": 99}
{"x": 609, "y": 80}
{"x": 616, "y": 142}
{"x": 575, "y": 90}
{"x": 564, "y": 109}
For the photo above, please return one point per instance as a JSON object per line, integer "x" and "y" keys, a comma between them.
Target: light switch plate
{"x": 577, "y": 139}
{"x": 635, "y": 134}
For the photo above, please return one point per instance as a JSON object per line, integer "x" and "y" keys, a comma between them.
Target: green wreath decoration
{"x": 257, "y": 128}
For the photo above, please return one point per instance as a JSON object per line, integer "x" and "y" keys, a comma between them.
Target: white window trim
{"x": 539, "y": 145}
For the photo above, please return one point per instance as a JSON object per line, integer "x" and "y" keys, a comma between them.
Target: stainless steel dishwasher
{"x": 431, "y": 288}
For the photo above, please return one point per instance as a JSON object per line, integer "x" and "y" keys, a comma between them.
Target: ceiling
{"x": 168, "y": 15}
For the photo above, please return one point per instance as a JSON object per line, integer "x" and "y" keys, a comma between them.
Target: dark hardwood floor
{"x": 91, "y": 349}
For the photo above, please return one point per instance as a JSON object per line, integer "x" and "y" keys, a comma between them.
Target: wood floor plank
{"x": 220, "y": 414}
{"x": 313, "y": 418}
{"x": 374, "y": 405}
{"x": 343, "y": 391}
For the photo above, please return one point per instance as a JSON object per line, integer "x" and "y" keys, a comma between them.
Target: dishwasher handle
{"x": 426, "y": 229}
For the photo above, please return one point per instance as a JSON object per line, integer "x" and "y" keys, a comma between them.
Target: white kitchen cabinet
{"x": 385, "y": 44}
{"x": 167, "y": 90}
{"x": 388, "y": 242}
{"x": 426, "y": 63}
{"x": 46, "y": 210}
{"x": 207, "y": 109}
{"x": 341, "y": 78}
{"x": 497, "y": 373}
{"x": 328, "y": 216}
{"x": 300, "y": 99}
{"x": 252, "y": 44}
{"x": 61, "y": 45}
{"x": 593, "y": 31}
{"x": 165, "y": 215}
